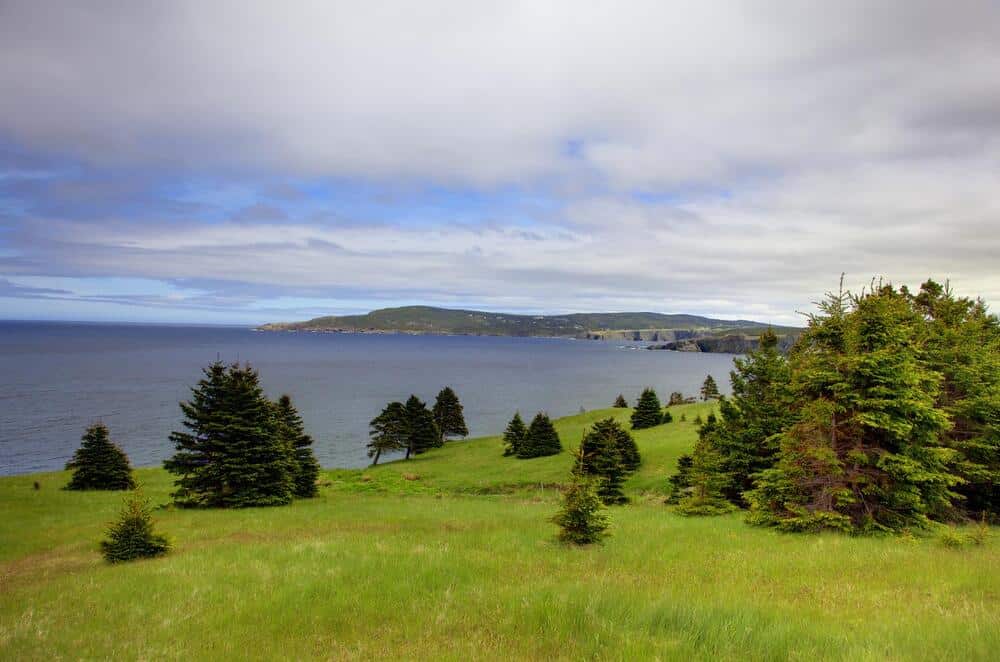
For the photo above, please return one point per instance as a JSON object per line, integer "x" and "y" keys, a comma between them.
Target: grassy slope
{"x": 460, "y": 563}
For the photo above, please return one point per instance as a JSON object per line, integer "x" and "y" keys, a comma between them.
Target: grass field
{"x": 456, "y": 560}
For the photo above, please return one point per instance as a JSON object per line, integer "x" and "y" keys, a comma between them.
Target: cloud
{"x": 718, "y": 157}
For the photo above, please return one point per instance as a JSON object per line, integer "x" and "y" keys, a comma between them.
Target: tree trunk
{"x": 377, "y": 454}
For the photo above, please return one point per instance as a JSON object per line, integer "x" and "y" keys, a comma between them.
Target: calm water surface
{"x": 57, "y": 378}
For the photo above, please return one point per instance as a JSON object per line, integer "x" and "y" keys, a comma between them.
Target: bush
{"x": 99, "y": 464}
{"x": 132, "y": 537}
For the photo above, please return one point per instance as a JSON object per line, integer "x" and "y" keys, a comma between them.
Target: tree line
{"x": 412, "y": 428}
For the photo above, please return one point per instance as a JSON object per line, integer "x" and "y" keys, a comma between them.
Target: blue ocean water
{"x": 57, "y": 378}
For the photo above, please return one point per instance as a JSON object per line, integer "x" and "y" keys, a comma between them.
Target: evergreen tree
{"x": 609, "y": 428}
{"x": 744, "y": 442}
{"x": 389, "y": 431}
{"x": 704, "y": 478}
{"x": 424, "y": 433}
{"x": 648, "y": 412}
{"x": 963, "y": 346}
{"x": 680, "y": 482}
{"x": 98, "y": 464}
{"x": 232, "y": 454}
{"x": 676, "y": 398}
{"x": 865, "y": 453}
{"x": 514, "y": 435}
{"x": 709, "y": 389}
{"x": 608, "y": 466}
{"x": 581, "y": 519}
{"x": 667, "y": 417}
{"x": 620, "y": 402}
{"x": 448, "y": 414}
{"x": 291, "y": 430}
{"x": 132, "y": 537}
{"x": 542, "y": 438}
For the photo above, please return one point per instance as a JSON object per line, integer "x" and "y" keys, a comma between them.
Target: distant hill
{"x": 431, "y": 320}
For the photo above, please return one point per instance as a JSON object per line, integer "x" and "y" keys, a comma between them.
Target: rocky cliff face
{"x": 642, "y": 335}
{"x": 732, "y": 344}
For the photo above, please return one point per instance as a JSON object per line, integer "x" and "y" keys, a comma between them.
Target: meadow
{"x": 451, "y": 556}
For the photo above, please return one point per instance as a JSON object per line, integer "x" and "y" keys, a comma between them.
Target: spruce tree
{"x": 705, "y": 480}
{"x": 581, "y": 519}
{"x": 389, "y": 431}
{"x": 232, "y": 454}
{"x": 131, "y": 536}
{"x": 667, "y": 417}
{"x": 676, "y": 398}
{"x": 98, "y": 464}
{"x": 608, "y": 466}
{"x": 865, "y": 453}
{"x": 292, "y": 432}
{"x": 424, "y": 433}
{"x": 620, "y": 402}
{"x": 648, "y": 412}
{"x": 680, "y": 482}
{"x": 514, "y": 435}
{"x": 448, "y": 414}
{"x": 542, "y": 438}
{"x": 593, "y": 442}
{"x": 709, "y": 389}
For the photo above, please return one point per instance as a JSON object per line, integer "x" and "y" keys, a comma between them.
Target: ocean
{"x": 57, "y": 378}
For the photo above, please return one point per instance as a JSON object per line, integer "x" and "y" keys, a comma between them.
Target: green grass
{"x": 461, "y": 563}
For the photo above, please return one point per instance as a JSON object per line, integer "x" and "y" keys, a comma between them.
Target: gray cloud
{"x": 725, "y": 157}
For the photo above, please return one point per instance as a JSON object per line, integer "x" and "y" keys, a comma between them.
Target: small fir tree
{"x": 388, "y": 432}
{"x": 704, "y": 479}
{"x": 291, "y": 429}
{"x": 424, "y": 433}
{"x": 608, "y": 465}
{"x": 667, "y": 417}
{"x": 542, "y": 438}
{"x": 514, "y": 435}
{"x": 448, "y": 414}
{"x": 99, "y": 464}
{"x": 132, "y": 537}
{"x": 593, "y": 442}
{"x": 581, "y": 519}
{"x": 680, "y": 482}
{"x": 709, "y": 389}
{"x": 676, "y": 398}
{"x": 620, "y": 402}
{"x": 648, "y": 412}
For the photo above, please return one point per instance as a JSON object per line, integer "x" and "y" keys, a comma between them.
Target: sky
{"x": 243, "y": 162}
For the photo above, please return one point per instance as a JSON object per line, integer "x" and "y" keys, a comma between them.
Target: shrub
{"x": 132, "y": 537}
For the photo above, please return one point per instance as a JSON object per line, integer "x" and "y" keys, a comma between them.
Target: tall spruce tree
{"x": 866, "y": 453}
{"x": 621, "y": 402}
{"x": 593, "y": 442}
{"x": 448, "y": 414}
{"x": 389, "y": 431}
{"x": 963, "y": 346}
{"x": 542, "y": 438}
{"x": 514, "y": 435}
{"x": 232, "y": 454}
{"x": 744, "y": 441}
{"x": 424, "y": 433}
{"x": 291, "y": 430}
{"x": 99, "y": 464}
{"x": 709, "y": 389}
{"x": 648, "y": 411}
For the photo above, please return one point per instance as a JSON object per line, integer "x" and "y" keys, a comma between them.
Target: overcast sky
{"x": 248, "y": 161}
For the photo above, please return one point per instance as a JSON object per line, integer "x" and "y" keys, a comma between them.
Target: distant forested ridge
{"x": 653, "y": 327}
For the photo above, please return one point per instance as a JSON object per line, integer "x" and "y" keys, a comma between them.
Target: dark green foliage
{"x": 132, "y": 537}
{"x": 581, "y": 519}
{"x": 667, "y": 417}
{"x": 743, "y": 441}
{"x": 963, "y": 346}
{"x": 698, "y": 420}
{"x": 389, "y": 431}
{"x": 709, "y": 389}
{"x": 98, "y": 464}
{"x": 677, "y": 398}
{"x": 514, "y": 435}
{"x": 448, "y": 414}
{"x": 231, "y": 454}
{"x": 542, "y": 438}
{"x": 593, "y": 442}
{"x": 607, "y": 465}
{"x": 680, "y": 482}
{"x": 704, "y": 479}
{"x": 648, "y": 412}
{"x": 291, "y": 430}
{"x": 620, "y": 402}
{"x": 424, "y": 433}
{"x": 865, "y": 453}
